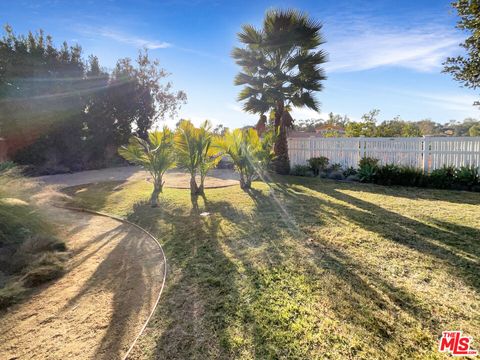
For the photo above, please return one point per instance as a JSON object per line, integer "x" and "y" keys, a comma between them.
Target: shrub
{"x": 466, "y": 176}
{"x": 350, "y": 171}
{"x": 7, "y": 165}
{"x": 336, "y": 175}
{"x": 28, "y": 246}
{"x": 372, "y": 162}
{"x": 367, "y": 173}
{"x": 318, "y": 164}
{"x": 48, "y": 267}
{"x": 368, "y": 168}
{"x": 411, "y": 176}
{"x": 387, "y": 174}
{"x": 301, "y": 170}
{"x": 442, "y": 178}
{"x": 11, "y": 294}
{"x": 354, "y": 177}
{"x": 335, "y": 167}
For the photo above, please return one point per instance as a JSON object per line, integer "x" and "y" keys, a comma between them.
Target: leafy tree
{"x": 411, "y": 130}
{"x": 474, "y": 130}
{"x": 58, "y": 111}
{"x": 248, "y": 153}
{"x": 429, "y": 127}
{"x": 155, "y": 155}
{"x": 29, "y": 108}
{"x": 280, "y": 68}
{"x": 367, "y": 127}
{"x": 155, "y": 99}
{"x": 337, "y": 119}
{"x": 461, "y": 128}
{"x": 465, "y": 69}
{"x": 397, "y": 128}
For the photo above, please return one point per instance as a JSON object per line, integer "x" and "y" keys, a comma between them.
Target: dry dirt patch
{"x": 97, "y": 308}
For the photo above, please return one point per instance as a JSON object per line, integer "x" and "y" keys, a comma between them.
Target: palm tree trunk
{"x": 157, "y": 189}
{"x": 245, "y": 182}
{"x": 201, "y": 188}
{"x": 281, "y": 163}
{"x": 193, "y": 185}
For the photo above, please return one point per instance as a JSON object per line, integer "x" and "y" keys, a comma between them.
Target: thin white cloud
{"x": 371, "y": 46}
{"x": 125, "y": 38}
{"x": 456, "y": 102}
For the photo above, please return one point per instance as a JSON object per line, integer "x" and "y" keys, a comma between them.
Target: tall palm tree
{"x": 155, "y": 155}
{"x": 280, "y": 68}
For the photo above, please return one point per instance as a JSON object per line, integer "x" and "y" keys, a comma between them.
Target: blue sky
{"x": 383, "y": 54}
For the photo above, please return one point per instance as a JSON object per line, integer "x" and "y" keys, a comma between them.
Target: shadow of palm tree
{"x": 436, "y": 239}
{"x": 124, "y": 273}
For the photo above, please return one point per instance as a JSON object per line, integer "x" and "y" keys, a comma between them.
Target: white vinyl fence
{"x": 426, "y": 153}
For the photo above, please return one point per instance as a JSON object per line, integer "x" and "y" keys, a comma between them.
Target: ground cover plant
{"x": 30, "y": 252}
{"x": 306, "y": 268}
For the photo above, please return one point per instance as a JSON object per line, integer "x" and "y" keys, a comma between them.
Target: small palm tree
{"x": 195, "y": 152}
{"x": 155, "y": 155}
{"x": 248, "y": 154}
{"x": 280, "y": 68}
{"x": 210, "y": 155}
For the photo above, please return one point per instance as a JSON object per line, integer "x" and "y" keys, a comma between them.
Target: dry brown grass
{"x": 30, "y": 252}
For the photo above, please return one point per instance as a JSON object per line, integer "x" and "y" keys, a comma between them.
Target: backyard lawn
{"x": 306, "y": 268}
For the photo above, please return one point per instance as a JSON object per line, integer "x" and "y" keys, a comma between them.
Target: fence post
{"x": 425, "y": 154}
{"x": 361, "y": 147}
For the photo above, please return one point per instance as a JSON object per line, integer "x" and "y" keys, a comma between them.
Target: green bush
{"x": 372, "y": 162}
{"x": 335, "y": 167}
{"x": 367, "y": 170}
{"x": 387, "y": 174}
{"x": 411, "y": 176}
{"x": 442, "y": 178}
{"x": 367, "y": 173}
{"x": 350, "y": 171}
{"x": 7, "y": 165}
{"x": 318, "y": 164}
{"x": 336, "y": 175}
{"x": 466, "y": 177}
{"x": 301, "y": 170}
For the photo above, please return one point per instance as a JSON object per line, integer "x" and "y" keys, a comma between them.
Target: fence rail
{"x": 427, "y": 153}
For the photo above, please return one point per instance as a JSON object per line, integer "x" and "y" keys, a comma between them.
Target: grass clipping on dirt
{"x": 314, "y": 269}
{"x": 30, "y": 253}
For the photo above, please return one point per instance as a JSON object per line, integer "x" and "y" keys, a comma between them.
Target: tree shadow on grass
{"x": 437, "y": 240}
{"x": 95, "y": 196}
{"x": 123, "y": 273}
{"x": 245, "y": 280}
{"x": 231, "y": 291}
{"x": 361, "y": 298}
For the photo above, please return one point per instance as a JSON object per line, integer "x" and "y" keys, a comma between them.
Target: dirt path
{"x": 173, "y": 178}
{"x": 98, "y": 307}
{"x": 112, "y": 281}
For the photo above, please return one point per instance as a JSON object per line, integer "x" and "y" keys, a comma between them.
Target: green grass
{"x": 315, "y": 269}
